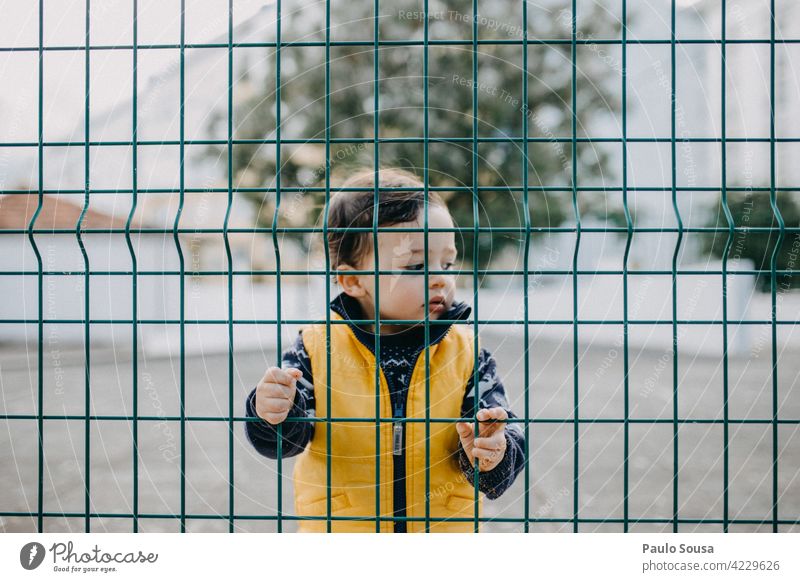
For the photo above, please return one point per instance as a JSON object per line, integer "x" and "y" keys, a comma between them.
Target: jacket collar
{"x": 349, "y": 308}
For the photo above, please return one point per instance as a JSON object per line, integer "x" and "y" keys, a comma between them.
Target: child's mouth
{"x": 437, "y": 306}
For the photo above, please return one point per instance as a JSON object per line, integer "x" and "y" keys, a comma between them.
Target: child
{"x": 402, "y": 393}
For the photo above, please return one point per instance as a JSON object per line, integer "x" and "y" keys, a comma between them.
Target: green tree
{"x": 500, "y": 110}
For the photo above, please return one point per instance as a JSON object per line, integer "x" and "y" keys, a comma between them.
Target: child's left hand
{"x": 490, "y": 446}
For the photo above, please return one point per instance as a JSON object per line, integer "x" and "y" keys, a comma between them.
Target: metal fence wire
{"x": 526, "y": 419}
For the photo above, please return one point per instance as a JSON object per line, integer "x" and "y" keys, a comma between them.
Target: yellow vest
{"x": 353, "y": 458}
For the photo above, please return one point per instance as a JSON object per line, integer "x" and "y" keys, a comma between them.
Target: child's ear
{"x": 350, "y": 284}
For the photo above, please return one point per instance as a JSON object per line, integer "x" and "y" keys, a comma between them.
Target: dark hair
{"x": 354, "y": 210}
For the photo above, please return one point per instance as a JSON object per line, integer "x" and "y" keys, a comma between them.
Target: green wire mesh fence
{"x": 783, "y": 230}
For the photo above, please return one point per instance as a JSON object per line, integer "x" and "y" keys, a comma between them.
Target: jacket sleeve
{"x": 491, "y": 393}
{"x": 296, "y": 434}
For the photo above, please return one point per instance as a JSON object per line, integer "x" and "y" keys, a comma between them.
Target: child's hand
{"x": 490, "y": 446}
{"x": 275, "y": 394}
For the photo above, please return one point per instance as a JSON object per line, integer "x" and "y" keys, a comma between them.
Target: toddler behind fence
{"x": 299, "y": 387}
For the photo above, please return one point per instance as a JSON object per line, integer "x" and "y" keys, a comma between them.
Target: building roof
{"x": 17, "y": 210}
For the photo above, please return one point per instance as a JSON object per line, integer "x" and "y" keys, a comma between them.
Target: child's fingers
{"x": 273, "y": 410}
{"x": 496, "y": 413}
{"x": 276, "y": 404}
{"x": 466, "y": 436}
{"x": 294, "y": 372}
{"x": 492, "y": 420}
{"x": 489, "y": 450}
{"x": 485, "y": 454}
{"x": 275, "y": 390}
{"x": 274, "y": 417}
{"x": 275, "y": 374}
{"x": 496, "y": 442}
{"x": 464, "y": 429}
{"x": 487, "y": 458}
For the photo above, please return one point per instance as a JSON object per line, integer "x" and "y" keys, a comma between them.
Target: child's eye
{"x": 420, "y": 267}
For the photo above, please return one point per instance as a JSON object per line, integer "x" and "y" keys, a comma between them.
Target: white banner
{"x": 354, "y": 557}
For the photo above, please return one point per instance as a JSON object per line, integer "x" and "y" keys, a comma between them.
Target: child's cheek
{"x": 412, "y": 289}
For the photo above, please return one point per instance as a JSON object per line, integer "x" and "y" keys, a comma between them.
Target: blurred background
{"x": 711, "y": 103}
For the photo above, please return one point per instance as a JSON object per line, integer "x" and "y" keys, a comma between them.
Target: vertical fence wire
{"x": 675, "y": 255}
{"x": 426, "y": 194}
{"x": 475, "y": 258}
{"x": 134, "y": 265}
{"x": 229, "y": 148}
{"x": 376, "y": 90}
{"x": 576, "y": 210}
{"x": 773, "y": 265}
{"x": 629, "y": 224}
{"x": 278, "y": 356}
{"x": 39, "y": 295}
{"x": 729, "y": 218}
{"x": 181, "y": 275}
{"x": 526, "y": 212}
{"x": 327, "y": 263}
{"x": 86, "y": 290}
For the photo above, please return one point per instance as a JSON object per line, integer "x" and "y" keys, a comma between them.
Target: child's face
{"x": 403, "y": 296}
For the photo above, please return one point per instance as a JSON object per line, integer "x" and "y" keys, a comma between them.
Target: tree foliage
{"x": 500, "y": 111}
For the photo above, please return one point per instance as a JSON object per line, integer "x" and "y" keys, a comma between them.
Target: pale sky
{"x": 111, "y": 24}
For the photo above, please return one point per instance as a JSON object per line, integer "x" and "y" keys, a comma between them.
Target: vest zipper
{"x": 399, "y": 463}
{"x": 397, "y": 439}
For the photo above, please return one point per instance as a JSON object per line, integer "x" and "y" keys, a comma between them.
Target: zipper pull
{"x": 397, "y": 440}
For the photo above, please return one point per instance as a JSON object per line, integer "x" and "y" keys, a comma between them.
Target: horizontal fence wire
{"x": 403, "y": 420}
{"x": 525, "y": 232}
{"x": 432, "y": 42}
{"x": 286, "y": 272}
{"x": 212, "y": 516}
{"x": 421, "y": 140}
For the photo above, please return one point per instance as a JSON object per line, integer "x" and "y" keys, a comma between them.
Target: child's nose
{"x": 437, "y": 281}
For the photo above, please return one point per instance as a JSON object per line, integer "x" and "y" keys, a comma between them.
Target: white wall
{"x": 110, "y": 297}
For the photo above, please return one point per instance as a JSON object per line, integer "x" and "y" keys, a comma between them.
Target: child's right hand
{"x": 275, "y": 394}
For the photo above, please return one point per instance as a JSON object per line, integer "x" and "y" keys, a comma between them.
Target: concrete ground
{"x": 550, "y": 394}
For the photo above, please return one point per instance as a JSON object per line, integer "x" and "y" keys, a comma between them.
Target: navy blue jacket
{"x": 399, "y": 353}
